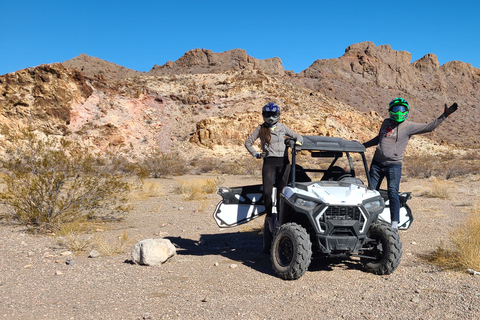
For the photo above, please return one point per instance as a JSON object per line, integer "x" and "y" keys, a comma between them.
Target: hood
{"x": 334, "y": 193}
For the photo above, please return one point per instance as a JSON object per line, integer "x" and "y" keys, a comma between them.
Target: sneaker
{"x": 395, "y": 225}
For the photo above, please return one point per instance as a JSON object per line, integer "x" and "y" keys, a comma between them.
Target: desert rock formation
{"x": 206, "y": 103}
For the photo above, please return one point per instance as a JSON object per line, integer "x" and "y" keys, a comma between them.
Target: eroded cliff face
{"x": 367, "y": 77}
{"x": 206, "y": 104}
{"x": 42, "y": 97}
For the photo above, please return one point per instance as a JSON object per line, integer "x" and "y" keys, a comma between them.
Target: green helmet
{"x": 398, "y": 109}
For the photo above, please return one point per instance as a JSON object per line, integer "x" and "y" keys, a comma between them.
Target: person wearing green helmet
{"x": 391, "y": 142}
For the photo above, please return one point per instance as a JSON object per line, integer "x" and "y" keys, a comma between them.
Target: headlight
{"x": 373, "y": 206}
{"x": 305, "y": 203}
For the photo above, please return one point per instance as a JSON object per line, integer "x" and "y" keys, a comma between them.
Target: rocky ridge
{"x": 205, "y": 103}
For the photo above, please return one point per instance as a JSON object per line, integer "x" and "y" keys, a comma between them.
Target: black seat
{"x": 334, "y": 173}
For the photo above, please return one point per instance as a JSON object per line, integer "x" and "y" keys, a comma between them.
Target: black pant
{"x": 275, "y": 171}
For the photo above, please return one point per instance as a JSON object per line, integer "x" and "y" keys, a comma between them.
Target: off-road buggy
{"x": 326, "y": 210}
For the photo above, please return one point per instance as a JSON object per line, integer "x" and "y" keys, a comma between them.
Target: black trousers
{"x": 276, "y": 172}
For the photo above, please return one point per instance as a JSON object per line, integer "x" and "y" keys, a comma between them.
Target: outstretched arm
{"x": 417, "y": 128}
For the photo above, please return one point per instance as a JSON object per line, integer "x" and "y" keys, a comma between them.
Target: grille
{"x": 343, "y": 213}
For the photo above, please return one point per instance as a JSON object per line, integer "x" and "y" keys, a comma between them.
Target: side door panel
{"x": 239, "y": 205}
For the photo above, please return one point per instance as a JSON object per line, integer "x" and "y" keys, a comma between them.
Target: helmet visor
{"x": 269, "y": 114}
{"x": 398, "y": 108}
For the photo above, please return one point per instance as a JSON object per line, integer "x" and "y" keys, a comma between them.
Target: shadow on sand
{"x": 247, "y": 248}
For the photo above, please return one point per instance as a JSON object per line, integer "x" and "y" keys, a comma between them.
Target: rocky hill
{"x": 205, "y": 103}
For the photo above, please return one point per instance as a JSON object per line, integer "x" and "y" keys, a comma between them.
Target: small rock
{"x": 216, "y": 264}
{"x": 415, "y": 299}
{"x": 94, "y": 254}
{"x": 233, "y": 265}
{"x": 475, "y": 273}
{"x": 58, "y": 273}
{"x": 28, "y": 266}
{"x": 205, "y": 299}
{"x": 66, "y": 253}
{"x": 70, "y": 262}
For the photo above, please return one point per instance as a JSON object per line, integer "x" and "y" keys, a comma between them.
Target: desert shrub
{"x": 463, "y": 251}
{"x": 245, "y": 165}
{"x": 159, "y": 164}
{"x": 446, "y": 166}
{"x": 438, "y": 189}
{"x": 50, "y": 181}
{"x": 421, "y": 166}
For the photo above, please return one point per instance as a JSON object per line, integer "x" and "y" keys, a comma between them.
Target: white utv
{"x": 326, "y": 210}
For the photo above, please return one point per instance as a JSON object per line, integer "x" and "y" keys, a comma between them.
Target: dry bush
{"x": 244, "y": 165}
{"x": 447, "y": 166}
{"x": 148, "y": 189}
{"x": 196, "y": 189}
{"x": 158, "y": 164}
{"x": 421, "y": 166}
{"x": 439, "y": 189}
{"x": 76, "y": 242}
{"x": 119, "y": 245}
{"x": 463, "y": 252}
{"x": 52, "y": 181}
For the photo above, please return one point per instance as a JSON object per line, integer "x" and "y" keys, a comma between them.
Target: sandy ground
{"x": 223, "y": 273}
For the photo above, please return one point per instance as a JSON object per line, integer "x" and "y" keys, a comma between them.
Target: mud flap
{"x": 239, "y": 205}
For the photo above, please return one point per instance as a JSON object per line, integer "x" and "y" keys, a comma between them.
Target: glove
{"x": 260, "y": 155}
{"x": 449, "y": 110}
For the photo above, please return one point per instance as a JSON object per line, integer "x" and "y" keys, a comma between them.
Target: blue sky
{"x": 139, "y": 34}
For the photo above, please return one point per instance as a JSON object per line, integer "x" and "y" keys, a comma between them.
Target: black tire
{"x": 267, "y": 237}
{"x": 291, "y": 251}
{"x": 385, "y": 249}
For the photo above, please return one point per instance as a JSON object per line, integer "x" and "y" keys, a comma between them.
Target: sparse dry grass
{"x": 195, "y": 189}
{"x": 148, "y": 189}
{"x": 438, "y": 189}
{"x": 463, "y": 251}
{"x": 118, "y": 245}
{"x": 83, "y": 237}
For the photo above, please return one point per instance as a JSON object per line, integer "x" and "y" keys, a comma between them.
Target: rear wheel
{"x": 384, "y": 250}
{"x": 291, "y": 251}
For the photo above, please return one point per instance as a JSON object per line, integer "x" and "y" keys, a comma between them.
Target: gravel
{"x": 223, "y": 273}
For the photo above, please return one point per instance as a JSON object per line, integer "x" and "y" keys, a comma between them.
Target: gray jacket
{"x": 393, "y": 138}
{"x": 277, "y": 147}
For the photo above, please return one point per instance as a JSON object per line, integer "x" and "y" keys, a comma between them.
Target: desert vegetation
{"x": 462, "y": 251}
{"x": 49, "y": 181}
{"x": 49, "y": 184}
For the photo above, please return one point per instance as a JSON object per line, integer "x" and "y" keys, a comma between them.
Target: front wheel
{"x": 291, "y": 252}
{"x": 383, "y": 252}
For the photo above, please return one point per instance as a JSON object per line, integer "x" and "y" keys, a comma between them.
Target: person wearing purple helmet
{"x": 276, "y": 168}
{"x": 391, "y": 142}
